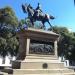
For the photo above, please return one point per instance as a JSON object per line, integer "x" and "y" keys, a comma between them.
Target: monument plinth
{"x": 37, "y": 47}
{"x": 34, "y": 42}
{"x": 38, "y": 54}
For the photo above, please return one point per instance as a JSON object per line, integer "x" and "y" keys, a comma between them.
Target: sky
{"x": 62, "y": 10}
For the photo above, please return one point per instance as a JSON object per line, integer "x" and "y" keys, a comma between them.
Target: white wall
{"x": 7, "y": 61}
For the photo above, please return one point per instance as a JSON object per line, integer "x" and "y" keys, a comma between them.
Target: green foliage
{"x": 8, "y": 40}
{"x": 66, "y": 44}
{"x": 59, "y": 30}
{"x": 27, "y": 22}
{"x": 12, "y": 45}
{"x": 3, "y": 45}
{"x": 8, "y": 17}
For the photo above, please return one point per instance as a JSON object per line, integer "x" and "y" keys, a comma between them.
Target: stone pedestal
{"x": 36, "y": 61}
{"x": 26, "y": 36}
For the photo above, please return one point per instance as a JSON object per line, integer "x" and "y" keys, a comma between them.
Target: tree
{"x": 3, "y": 50}
{"x": 27, "y": 23}
{"x": 66, "y": 44}
{"x": 7, "y": 16}
{"x": 8, "y": 40}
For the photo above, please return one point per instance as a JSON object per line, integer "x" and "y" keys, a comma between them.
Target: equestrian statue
{"x": 37, "y": 14}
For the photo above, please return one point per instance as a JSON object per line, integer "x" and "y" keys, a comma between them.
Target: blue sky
{"x": 63, "y": 10}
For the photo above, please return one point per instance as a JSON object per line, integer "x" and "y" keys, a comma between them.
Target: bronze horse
{"x": 33, "y": 17}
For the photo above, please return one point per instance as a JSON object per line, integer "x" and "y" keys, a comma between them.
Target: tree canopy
{"x": 8, "y": 41}
{"x": 66, "y": 44}
{"x": 8, "y": 17}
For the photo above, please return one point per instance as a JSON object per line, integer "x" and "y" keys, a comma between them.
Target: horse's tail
{"x": 49, "y": 16}
{"x": 52, "y": 17}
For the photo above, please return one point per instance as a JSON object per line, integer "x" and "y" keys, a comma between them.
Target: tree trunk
{"x": 3, "y": 61}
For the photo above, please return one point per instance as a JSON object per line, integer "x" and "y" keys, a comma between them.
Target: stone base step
{"x": 40, "y": 65}
{"x": 49, "y": 74}
{"x": 2, "y": 73}
{"x": 39, "y": 74}
{"x": 41, "y": 60}
{"x": 42, "y": 71}
{"x": 46, "y": 57}
{"x": 37, "y": 64}
{"x": 68, "y": 74}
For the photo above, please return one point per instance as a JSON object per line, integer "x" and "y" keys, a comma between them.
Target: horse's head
{"x": 28, "y": 9}
{"x": 24, "y": 8}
